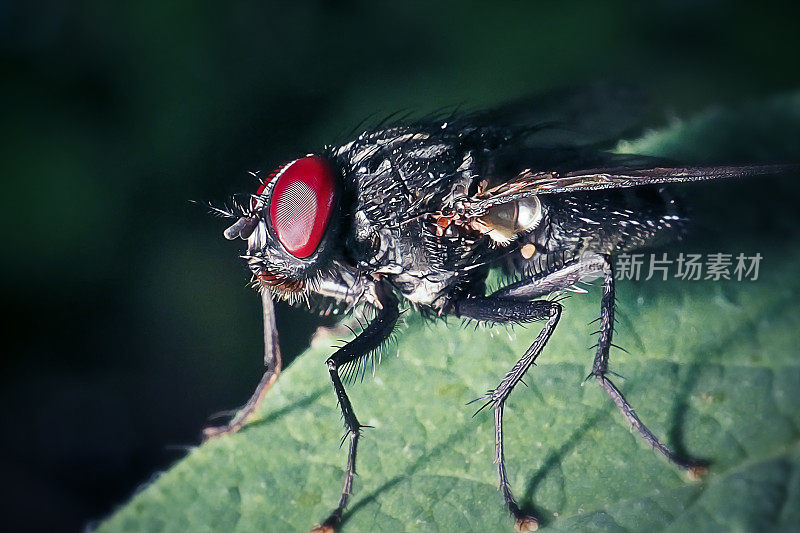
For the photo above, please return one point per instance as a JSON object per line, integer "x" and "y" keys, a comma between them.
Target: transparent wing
{"x": 535, "y": 183}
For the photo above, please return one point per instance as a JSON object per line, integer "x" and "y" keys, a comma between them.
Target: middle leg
{"x": 493, "y": 309}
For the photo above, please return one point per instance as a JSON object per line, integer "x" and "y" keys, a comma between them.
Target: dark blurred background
{"x": 128, "y": 321}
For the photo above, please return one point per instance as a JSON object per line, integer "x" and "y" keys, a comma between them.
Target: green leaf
{"x": 713, "y": 370}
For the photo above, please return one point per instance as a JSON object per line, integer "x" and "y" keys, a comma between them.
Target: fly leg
{"x": 494, "y": 309}
{"x": 272, "y": 360}
{"x": 366, "y": 341}
{"x": 600, "y": 368}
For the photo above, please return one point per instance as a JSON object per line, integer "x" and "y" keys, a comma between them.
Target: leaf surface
{"x": 713, "y": 369}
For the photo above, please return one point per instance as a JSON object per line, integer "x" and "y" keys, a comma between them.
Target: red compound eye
{"x": 301, "y": 204}
{"x": 253, "y": 201}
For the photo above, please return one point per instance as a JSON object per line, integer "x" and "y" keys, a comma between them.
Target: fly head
{"x": 290, "y": 225}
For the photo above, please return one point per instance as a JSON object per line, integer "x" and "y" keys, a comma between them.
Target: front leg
{"x": 366, "y": 341}
{"x": 272, "y": 362}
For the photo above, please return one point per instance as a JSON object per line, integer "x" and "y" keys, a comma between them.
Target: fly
{"x": 420, "y": 213}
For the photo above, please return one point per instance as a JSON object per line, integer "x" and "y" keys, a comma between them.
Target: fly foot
{"x": 526, "y": 523}
{"x": 697, "y": 470}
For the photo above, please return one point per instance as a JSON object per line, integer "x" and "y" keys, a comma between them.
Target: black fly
{"x": 423, "y": 211}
